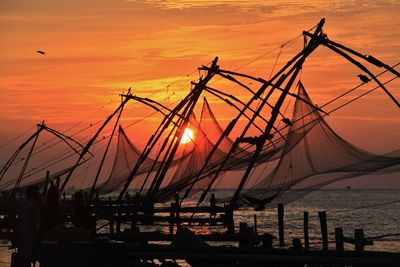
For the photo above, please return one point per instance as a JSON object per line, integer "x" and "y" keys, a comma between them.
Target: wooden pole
{"x": 359, "y": 239}
{"x": 177, "y": 216}
{"x": 281, "y": 225}
{"x": 58, "y": 183}
{"x": 135, "y": 213}
{"x": 324, "y": 229}
{"x": 21, "y": 175}
{"x": 46, "y": 185}
{"x": 260, "y": 140}
{"x": 305, "y": 223}
{"x": 173, "y": 147}
{"x": 90, "y": 143}
{"x": 242, "y": 234}
{"x": 230, "y": 224}
{"x": 368, "y": 58}
{"x": 339, "y": 239}
{"x": 255, "y": 223}
{"x": 119, "y": 218}
{"x": 92, "y": 190}
{"x": 111, "y": 214}
{"x": 171, "y": 219}
{"x": 362, "y": 67}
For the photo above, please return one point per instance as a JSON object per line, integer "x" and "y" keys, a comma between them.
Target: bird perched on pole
{"x": 41, "y": 52}
{"x": 363, "y": 78}
{"x": 256, "y": 140}
{"x": 287, "y": 122}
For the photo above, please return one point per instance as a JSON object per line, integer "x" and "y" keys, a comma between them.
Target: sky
{"x": 97, "y": 49}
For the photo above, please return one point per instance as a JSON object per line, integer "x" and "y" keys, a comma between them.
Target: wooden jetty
{"x": 138, "y": 252}
{"x": 132, "y": 247}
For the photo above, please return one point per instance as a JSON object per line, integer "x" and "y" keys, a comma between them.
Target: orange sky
{"x": 97, "y": 49}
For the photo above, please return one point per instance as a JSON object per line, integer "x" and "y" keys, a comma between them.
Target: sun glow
{"x": 187, "y": 136}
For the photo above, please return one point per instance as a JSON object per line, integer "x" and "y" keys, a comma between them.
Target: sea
{"x": 377, "y": 212}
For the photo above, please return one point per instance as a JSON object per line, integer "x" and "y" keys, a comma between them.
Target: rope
{"x": 287, "y": 43}
{"x": 382, "y": 236}
{"x": 276, "y": 62}
{"x": 273, "y": 50}
{"x": 15, "y": 138}
{"x": 49, "y": 164}
{"x": 48, "y": 145}
{"x": 356, "y": 87}
{"x": 358, "y": 97}
{"x": 335, "y": 109}
{"x": 73, "y": 126}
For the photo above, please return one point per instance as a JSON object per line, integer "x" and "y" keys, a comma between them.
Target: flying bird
{"x": 363, "y": 78}
{"x": 41, "y": 52}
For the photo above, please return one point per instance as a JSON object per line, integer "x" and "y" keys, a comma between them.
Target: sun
{"x": 187, "y": 136}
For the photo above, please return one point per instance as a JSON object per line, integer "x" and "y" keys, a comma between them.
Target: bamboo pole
{"x": 281, "y": 225}
{"x": 339, "y": 239}
{"x": 305, "y": 224}
{"x": 359, "y": 239}
{"x": 324, "y": 229}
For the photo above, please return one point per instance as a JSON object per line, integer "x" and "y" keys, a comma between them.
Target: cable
{"x": 15, "y": 138}
{"x": 382, "y": 236}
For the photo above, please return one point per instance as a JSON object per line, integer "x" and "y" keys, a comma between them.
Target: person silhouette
{"x": 296, "y": 244}
{"x": 267, "y": 241}
{"x": 297, "y": 248}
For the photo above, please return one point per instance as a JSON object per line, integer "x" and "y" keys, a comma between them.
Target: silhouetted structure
{"x": 213, "y": 206}
{"x": 28, "y": 227}
{"x": 53, "y": 212}
{"x": 82, "y": 214}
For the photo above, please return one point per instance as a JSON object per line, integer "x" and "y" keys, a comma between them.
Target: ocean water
{"x": 375, "y": 211}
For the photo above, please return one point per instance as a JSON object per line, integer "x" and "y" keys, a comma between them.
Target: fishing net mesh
{"x": 311, "y": 155}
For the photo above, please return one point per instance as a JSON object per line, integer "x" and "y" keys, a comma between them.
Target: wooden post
{"x": 230, "y": 225}
{"x": 119, "y": 207}
{"x": 171, "y": 219}
{"x": 58, "y": 182}
{"x": 111, "y": 226}
{"x": 324, "y": 229}
{"x": 177, "y": 216}
{"x": 255, "y": 223}
{"x": 135, "y": 213}
{"x": 306, "y": 239}
{"x": 111, "y": 215}
{"x": 359, "y": 239}
{"x": 118, "y": 226}
{"x": 339, "y": 239}
{"x": 281, "y": 225}
{"x": 46, "y": 185}
{"x": 243, "y": 233}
